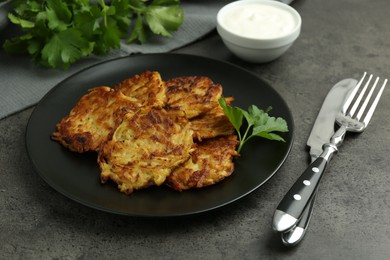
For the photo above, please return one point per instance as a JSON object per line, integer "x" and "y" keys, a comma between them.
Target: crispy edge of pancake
{"x": 148, "y": 88}
{"x": 92, "y": 119}
{"x": 210, "y": 163}
{"x": 213, "y": 123}
{"x": 194, "y": 95}
{"x": 145, "y": 148}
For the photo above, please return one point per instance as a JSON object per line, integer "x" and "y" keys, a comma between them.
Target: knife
{"x": 294, "y": 226}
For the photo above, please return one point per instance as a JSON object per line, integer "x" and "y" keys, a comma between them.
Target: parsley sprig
{"x": 57, "y": 33}
{"x": 259, "y": 123}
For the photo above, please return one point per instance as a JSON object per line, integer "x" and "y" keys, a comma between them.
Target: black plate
{"x": 77, "y": 176}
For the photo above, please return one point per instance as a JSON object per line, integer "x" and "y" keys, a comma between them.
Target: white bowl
{"x": 258, "y": 31}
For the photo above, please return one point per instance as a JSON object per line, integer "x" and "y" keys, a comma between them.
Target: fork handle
{"x": 293, "y": 204}
{"x": 293, "y": 236}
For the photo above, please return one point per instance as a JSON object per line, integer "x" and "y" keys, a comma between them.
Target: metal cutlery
{"x": 320, "y": 134}
{"x": 350, "y": 119}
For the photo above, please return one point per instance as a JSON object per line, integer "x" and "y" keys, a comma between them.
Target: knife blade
{"x": 323, "y": 127}
{"x": 322, "y": 130}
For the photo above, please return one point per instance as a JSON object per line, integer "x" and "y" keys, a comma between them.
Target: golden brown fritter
{"x": 93, "y": 118}
{"x": 193, "y": 95}
{"x": 211, "y": 162}
{"x": 147, "y": 87}
{"x": 212, "y": 124}
{"x": 144, "y": 131}
{"x": 145, "y": 148}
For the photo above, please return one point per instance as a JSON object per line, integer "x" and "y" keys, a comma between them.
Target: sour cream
{"x": 259, "y": 21}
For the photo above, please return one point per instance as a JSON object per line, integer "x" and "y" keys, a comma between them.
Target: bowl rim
{"x": 252, "y": 42}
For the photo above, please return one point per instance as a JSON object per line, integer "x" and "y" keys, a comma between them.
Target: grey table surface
{"x": 339, "y": 39}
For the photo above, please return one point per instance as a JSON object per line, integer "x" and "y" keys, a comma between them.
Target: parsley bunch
{"x": 57, "y": 33}
{"x": 259, "y": 123}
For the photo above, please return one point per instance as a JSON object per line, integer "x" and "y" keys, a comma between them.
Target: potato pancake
{"x": 145, "y": 148}
{"x": 93, "y": 118}
{"x": 148, "y": 88}
{"x": 211, "y": 162}
{"x": 148, "y": 132}
{"x": 193, "y": 95}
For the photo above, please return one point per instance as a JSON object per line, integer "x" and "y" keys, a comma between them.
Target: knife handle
{"x": 295, "y": 235}
{"x": 293, "y": 204}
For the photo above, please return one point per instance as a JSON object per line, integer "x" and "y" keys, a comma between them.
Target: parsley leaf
{"x": 65, "y": 48}
{"x": 58, "y": 15}
{"x": 139, "y": 32}
{"x": 259, "y": 123}
{"x": 57, "y": 33}
{"x": 234, "y": 114}
{"x": 20, "y": 21}
{"x": 163, "y": 19}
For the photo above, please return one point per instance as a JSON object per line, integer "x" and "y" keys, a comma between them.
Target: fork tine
{"x": 363, "y": 107}
{"x": 359, "y": 98}
{"x": 352, "y": 95}
{"x": 370, "y": 112}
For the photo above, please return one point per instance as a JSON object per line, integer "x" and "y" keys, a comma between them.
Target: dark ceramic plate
{"x": 77, "y": 175}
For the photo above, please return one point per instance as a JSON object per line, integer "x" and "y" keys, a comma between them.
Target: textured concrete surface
{"x": 340, "y": 39}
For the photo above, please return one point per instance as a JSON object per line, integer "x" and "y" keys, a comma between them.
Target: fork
{"x": 353, "y": 117}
